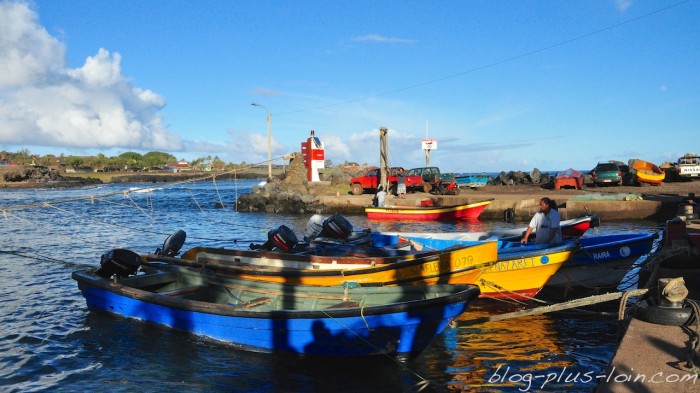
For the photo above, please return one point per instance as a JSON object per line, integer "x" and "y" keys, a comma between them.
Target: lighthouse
{"x": 312, "y": 151}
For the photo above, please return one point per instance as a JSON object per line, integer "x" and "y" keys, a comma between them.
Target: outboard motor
{"x": 336, "y": 227}
{"x": 313, "y": 227}
{"x": 118, "y": 262}
{"x": 281, "y": 238}
{"x": 172, "y": 244}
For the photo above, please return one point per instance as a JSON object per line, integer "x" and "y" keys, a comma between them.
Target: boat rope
{"x": 510, "y": 295}
{"x": 41, "y": 257}
{"x": 218, "y": 195}
{"x": 133, "y": 205}
{"x": 44, "y": 226}
{"x": 189, "y": 190}
{"x": 136, "y": 205}
{"x": 362, "y": 314}
{"x": 576, "y": 303}
{"x": 235, "y": 190}
{"x": 101, "y": 221}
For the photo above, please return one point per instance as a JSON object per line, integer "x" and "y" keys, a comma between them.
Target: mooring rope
{"x": 510, "y": 295}
{"x": 576, "y": 303}
{"x": 216, "y": 188}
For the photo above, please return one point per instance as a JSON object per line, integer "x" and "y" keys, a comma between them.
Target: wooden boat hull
{"x": 457, "y": 212}
{"x": 519, "y": 273}
{"x": 601, "y": 262}
{"x": 396, "y": 321}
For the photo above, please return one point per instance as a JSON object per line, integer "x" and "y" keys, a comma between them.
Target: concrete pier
{"x": 651, "y": 358}
{"x": 523, "y": 205}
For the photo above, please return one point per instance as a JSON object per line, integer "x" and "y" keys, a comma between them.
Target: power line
{"x": 489, "y": 65}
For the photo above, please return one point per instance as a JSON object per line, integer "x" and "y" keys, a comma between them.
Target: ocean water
{"x": 49, "y": 341}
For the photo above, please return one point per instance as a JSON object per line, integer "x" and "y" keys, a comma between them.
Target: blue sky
{"x": 501, "y": 85}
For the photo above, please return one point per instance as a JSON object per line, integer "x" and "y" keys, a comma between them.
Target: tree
{"x": 132, "y": 159}
{"x": 156, "y": 158}
{"x": 74, "y": 162}
{"x": 218, "y": 163}
{"x": 99, "y": 162}
{"x": 23, "y": 157}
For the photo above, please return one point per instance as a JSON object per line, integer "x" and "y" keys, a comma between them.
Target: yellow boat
{"x": 520, "y": 271}
{"x": 438, "y": 266}
{"x": 512, "y": 275}
{"x": 644, "y": 172}
{"x": 521, "y": 277}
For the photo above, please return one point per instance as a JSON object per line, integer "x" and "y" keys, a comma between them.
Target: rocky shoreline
{"x": 41, "y": 177}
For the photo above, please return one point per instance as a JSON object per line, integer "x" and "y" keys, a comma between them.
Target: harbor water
{"x": 49, "y": 341}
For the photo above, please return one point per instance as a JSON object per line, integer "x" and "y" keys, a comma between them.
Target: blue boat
{"x": 340, "y": 321}
{"x": 601, "y": 262}
{"x": 471, "y": 181}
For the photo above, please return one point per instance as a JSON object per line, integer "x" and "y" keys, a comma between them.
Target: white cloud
{"x": 623, "y": 5}
{"x": 43, "y": 103}
{"x": 382, "y": 39}
{"x": 266, "y": 92}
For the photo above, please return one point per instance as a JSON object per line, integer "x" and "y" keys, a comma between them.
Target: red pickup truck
{"x": 423, "y": 179}
{"x": 371, "y": 180}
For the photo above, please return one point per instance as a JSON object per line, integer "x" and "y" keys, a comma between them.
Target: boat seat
{"x": 347, "y": 304}
{"x": 183, "y": 291}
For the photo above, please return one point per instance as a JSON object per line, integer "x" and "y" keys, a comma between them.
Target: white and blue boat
{"x": 263, "y": 317}
{"x": 597, "y": 264}
{"x": 471, "y": 181}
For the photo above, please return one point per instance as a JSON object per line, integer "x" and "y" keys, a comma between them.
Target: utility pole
{"x": 383, "y": 157}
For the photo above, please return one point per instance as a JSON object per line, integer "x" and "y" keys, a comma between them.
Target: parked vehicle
{"x": 607, "y": 173}
{"x": 689, "y": 166}
{"x": 686, "y": 168}
{"x": 423, "y": 179}
{"x": 371, "y": 180}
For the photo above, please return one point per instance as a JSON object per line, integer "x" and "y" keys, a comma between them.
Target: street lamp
{"x": 269, "y": 142}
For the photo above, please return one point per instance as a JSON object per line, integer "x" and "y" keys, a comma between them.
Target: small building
{"x": 178, "y": 167}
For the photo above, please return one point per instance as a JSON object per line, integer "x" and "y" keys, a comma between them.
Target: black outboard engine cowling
{"x": 119, "y": 262}
{"x": 336, "y": 227}
{"x": 173, "y": 244}
{"x": 281, "y": 238}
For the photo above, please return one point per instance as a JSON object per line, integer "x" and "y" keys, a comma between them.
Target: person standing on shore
{"x": 401, "y": 184}
{"x": 547, "y": 222}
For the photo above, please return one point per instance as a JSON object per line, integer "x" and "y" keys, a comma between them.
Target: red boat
{"x": 428, "y": 213}
{"x": 568, "y": 178}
